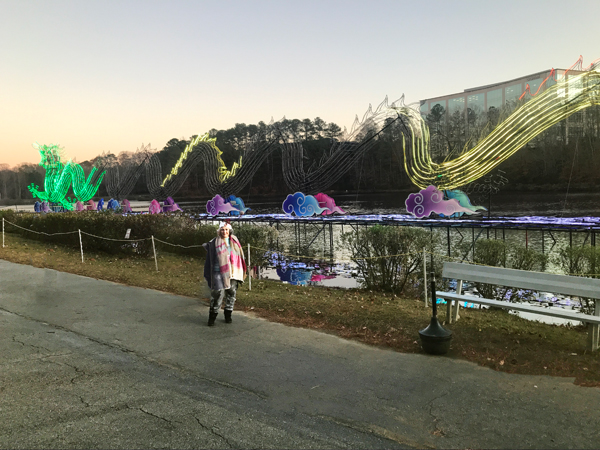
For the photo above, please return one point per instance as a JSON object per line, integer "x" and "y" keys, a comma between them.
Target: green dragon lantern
{"x": 59, "y": 178}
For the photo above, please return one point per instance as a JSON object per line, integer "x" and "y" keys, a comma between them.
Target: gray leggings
{"x": 216, "y": 297}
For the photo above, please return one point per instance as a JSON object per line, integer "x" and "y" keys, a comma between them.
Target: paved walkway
{"x": 92, "y": 364}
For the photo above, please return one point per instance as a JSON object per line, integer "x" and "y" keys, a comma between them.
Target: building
{"x": 481, "y": 99}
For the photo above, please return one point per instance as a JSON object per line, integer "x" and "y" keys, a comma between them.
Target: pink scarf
{"x": 232, "y": 265}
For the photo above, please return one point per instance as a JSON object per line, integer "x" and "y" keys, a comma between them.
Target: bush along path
{"x": 489, "y": 338}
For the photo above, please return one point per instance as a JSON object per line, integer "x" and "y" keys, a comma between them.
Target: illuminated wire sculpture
{"x": 558, "y": 102}
{"x": 343, "y": 154}
{"x": 59, "y": 178}
{"x": 119, "y": 188}
{"x": 218, "y": 179}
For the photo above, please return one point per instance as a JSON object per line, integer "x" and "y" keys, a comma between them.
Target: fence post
{"x": 80, "y": 245}
{"x": 3, "y": 232}
{"x": 249, "y": 274}
{"x": 425, "y": 275}
{"x": 154, "y": 250}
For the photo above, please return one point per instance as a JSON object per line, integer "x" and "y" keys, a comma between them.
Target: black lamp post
{"x": 435, "y": 339}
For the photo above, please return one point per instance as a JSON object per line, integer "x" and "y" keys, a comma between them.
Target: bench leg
{"x": 449, "y": 310}
{"x": 459, "y": 285}
{"x": 594, "y": 330}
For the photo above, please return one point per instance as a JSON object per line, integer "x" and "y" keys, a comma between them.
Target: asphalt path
{"x": 86, "y": 363}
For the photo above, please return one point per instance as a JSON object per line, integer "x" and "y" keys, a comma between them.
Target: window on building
{"x": 476, "y": 102}
{"x": 534, "y": 85}
{"x": 512, "y": 93}
{"x": 494, "y": 98}
{"x": 456, "y": 104}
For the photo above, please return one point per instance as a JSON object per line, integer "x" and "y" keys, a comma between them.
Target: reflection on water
{"x": 311, "y": 273}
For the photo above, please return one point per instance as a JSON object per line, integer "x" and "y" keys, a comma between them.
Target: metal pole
{"x": 433, "y": 296}
{"x": 154, "y": 250}
{"x": 425, "y": 276}
{"x": 3, "y": 232}
{"x": 542, "y": 242}
{"x": 80, "y": 245}
{"x": 249, "y": 276}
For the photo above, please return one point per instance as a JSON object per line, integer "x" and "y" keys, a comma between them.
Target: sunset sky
{"x": 107, "y": 76}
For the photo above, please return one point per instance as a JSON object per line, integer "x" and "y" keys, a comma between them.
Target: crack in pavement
{"x": 169, "y": 422}
{"x": 36, "y": 357}
{"x": 212, "y": 430}
{"x": 373, "y": 429}
{"x": 437, "y": 431}
{"x": 87, "y": 405}
{"x": 144, "y": 357}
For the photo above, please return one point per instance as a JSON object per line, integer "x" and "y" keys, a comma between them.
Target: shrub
{"x": 175, "y": 229}
{"x": 389, "y": 258}
{"x": 496, "y": 253}
{"x": 580, "y": 262}
{"x": 260, "y": 238}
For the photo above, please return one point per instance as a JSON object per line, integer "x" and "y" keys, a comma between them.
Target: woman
{"x": 224, "y": 270}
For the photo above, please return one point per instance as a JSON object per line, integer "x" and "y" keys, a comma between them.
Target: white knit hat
{"x": 225, "y": 225}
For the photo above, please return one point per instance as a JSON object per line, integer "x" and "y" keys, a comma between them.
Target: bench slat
{"x": 537, "y": 281}
{"x": 520, "y": 307}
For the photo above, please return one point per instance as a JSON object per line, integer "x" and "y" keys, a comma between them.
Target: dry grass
{"x": 494, "y": 339}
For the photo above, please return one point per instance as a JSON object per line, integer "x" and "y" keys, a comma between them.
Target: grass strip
{"x": 490, "y": 338}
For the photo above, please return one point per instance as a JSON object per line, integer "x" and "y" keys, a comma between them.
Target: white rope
{"x": 176, "y": 245}
{"x": 115, "y": 240}
{"x": 40, "y": 232}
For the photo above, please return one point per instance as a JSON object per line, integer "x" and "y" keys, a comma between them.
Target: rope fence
{"x": 80, "y": 232}
{"x": 424, "y": 253}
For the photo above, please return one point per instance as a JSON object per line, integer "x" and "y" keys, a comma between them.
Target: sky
{"x": 100, "y": 76}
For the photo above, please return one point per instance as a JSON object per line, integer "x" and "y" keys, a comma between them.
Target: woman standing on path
{"x": 224, "y": 270}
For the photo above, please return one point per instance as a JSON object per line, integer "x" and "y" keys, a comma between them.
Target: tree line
{"x": 567, "y": 153}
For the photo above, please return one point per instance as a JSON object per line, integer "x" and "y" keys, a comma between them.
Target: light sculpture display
{"x": 325, "y": 201}
{"x": 218, "y": 179}
{"x": 568, "y": 96}
{"x": 59, "y": 178}
{"x": 154, "y": 207}
{"x": 301, "y": 205}
{"x": 431, "y": 200}
{"x": 126, "y": 206}
{"x": 238, "y": 204}
{"x": 169, "y": 205}
{"x": 558, "y": 102}
{"x": 218, "y": 205}
{"x": 117, "y": 187}
{"x": 112, "y": 205}
{"x": 343, "y": 154}
{"x": 463, "y": 200}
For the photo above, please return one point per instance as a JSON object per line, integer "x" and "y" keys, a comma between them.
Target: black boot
{"x": 212, "y": 316}
{"x": 228, "y": 316}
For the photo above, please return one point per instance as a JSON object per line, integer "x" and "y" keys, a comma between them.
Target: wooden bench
{"x": 522, "y": 279}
